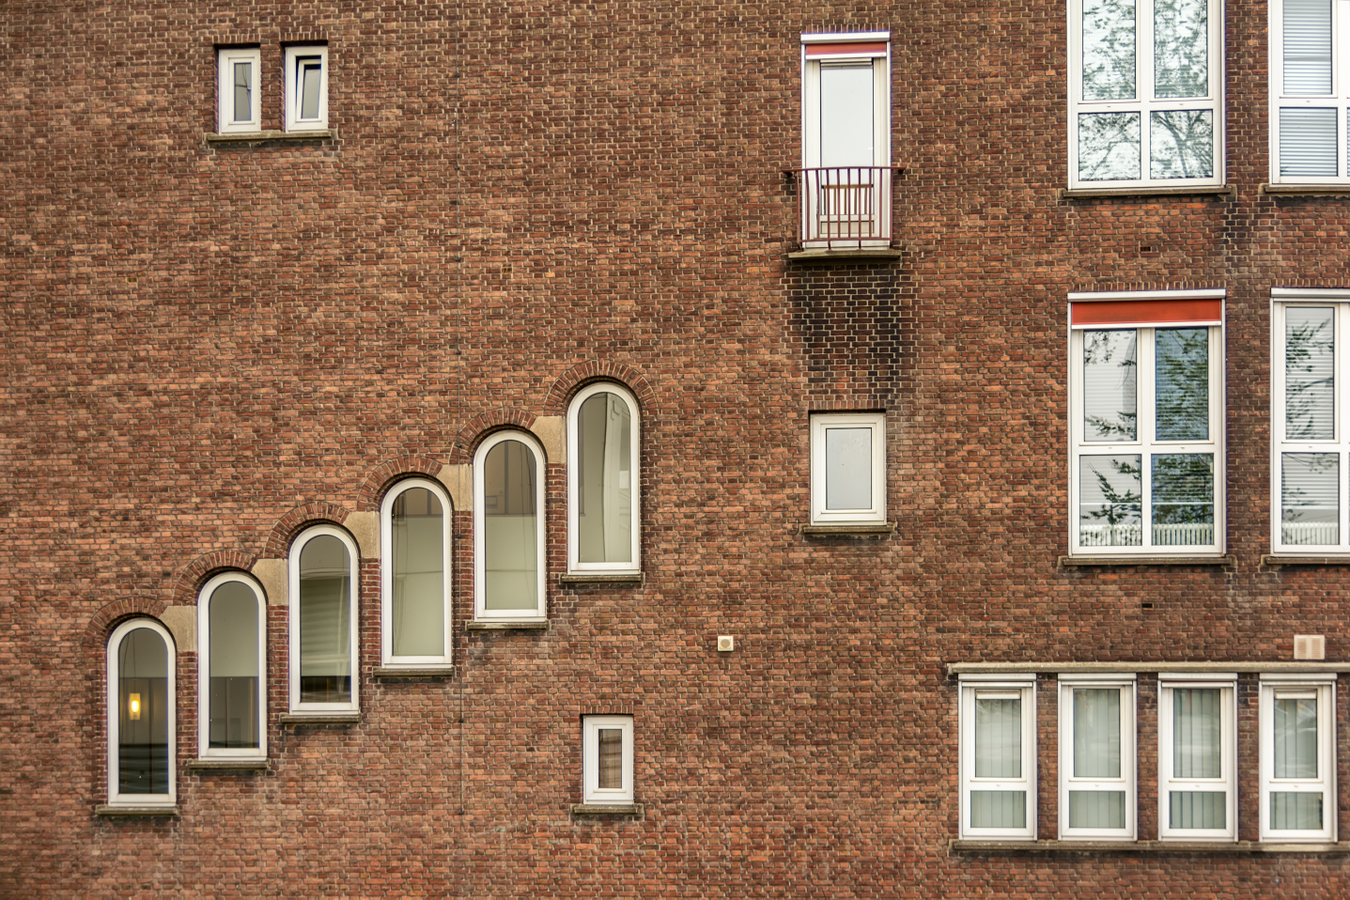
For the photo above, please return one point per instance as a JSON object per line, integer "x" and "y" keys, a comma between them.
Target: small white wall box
{"x": 725, "y": 643}
{"x": 1310, "y": 646}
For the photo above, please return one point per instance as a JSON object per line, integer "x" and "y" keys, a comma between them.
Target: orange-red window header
{"x": 1147, "y": 312}
{"x": 857, "y": 48}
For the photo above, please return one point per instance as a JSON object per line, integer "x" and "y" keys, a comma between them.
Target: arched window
{"x": 141, "y": 715}
{"x": 323, "y": 584}
{"x": 603, "y": 478}
{"x": 232, "y": 676}
{"x": 508, "y": 535}
{"x": 415, "y": 518}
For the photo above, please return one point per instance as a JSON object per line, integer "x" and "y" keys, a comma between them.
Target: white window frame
{"x": 1128, "y": 757}
{"x": 294, "y": 120}
{"x": 973, "y": 686}
{"x": 875, "y": 513}
{"x": 1283, "y": 299}
{"x": 293, "y": 664}
{"x": 112, "y": 711}
{"x": 1226, "y": 684}
{"x": 204, "y": 748}
{"x": 1338, "y": 98}
{"x": 480, "y": 613}
{"x": 591, "y": 792}
{"x": 389, "y": 660}
{"x": 1322, "y": 686}
{"x": 1144, "y": 103}
{"x": 226, "y": 59}
{"x": 1145, "y": 445}
{"x": 574, "y": 564}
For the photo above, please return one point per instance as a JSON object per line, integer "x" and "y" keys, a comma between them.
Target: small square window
{"x": 1298, "y": 758}
{"x": 848, "y": 468}
{"x": 239, "y": 107}
{"x": 1096, "y": 758}
{"x": 607, "y": 767}
{"x": 998, "y": 758}
{"x": 1197, "y": 771}
{"x": 307, "y": 88}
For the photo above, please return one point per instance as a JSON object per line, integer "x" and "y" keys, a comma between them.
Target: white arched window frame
{"x": 346, "y": 622}
{"x": 392, "y": 569}
{"x": 515, "y": 556}
{"x": 619, "y": 491}
{"x": 141, "y": 707}
{"x": 232, "y": 585}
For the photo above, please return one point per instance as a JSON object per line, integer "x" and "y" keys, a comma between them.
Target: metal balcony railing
{"x": 844, "y": 207}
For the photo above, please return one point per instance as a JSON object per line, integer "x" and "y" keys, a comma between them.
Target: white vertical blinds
{"x": 1096, "y": 755}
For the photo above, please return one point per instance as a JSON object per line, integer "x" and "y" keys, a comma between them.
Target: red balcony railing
{"x": 844, "y": 207}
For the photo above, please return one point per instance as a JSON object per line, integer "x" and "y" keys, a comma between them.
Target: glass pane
{"x": 1196, "y": 748}
{"x": 998, "y": 738}
{"x": 1182, "y": 380}
{"x": 611, "y": 758}
{"x": 1110, "y": 510}
{"x": 1290, "y": 811}
{"x": 604, "y": 480}
{"x": 1295, "y": 738}
{"x": 1307, "y": 47}
{"x": 1198, "y": 809}
{"x": 417, "y": 558}
{"x": 848, "y": 468}
{"x": 1182, "y": 143}
{"x": 1108, "y": 146}
{"x": 1308, "y": 142}
{"x": 233, "y": 614}
{"x": 1096, "y": 733}
{"x": 243, "y": 91}
{"x": 143, "y": 713}
{"x": 325, "y": 622}
{"x": 1309, "y": 373}
{"x": 1108, "y": 49}
{"x": 1096, "y": 809}
{"x": 1183, "y": 499}
{"x": 310, "y": 76}
{"x": 1180, "y": 48}
{"x": 998, "y": 809}
{"x": 846, "y": 110}
{"x": 1110, "y": 371}
{"x": 511, "y": 528}
{"x": 1310, "y": 491}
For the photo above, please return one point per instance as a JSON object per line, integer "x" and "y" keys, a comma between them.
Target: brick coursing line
{"x": 376, "y": 484}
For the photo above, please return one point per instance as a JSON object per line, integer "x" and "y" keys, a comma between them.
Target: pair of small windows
{"x": 239, "y": 94}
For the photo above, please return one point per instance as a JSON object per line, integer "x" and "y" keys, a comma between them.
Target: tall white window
{"x": 238, "y": 99}
{"x": 848, "y": 468}
{"x": 1096, "y": 758}
{"x": 603, "y": 480}
{"x": 323, "y": 657}
{"x": 1146, "y": 424}
{"x": 998, "y": 757}
{"x": 306, "y": 81}
{"x": 846, "y": 137}
{"x": 1308, "y": 95}
{"x": 607, "y": 764}
{"x": 1298, "y": 758}
{"x": 1197, "y": 765}
{"x": 141, "y": 715}
{"x": 415, "y": 518}
{"x": 1145, "y": 93}
{"x": 232, "y": 670}
{"x": 508, "y": 534}
{"x": 1310, "y": 459}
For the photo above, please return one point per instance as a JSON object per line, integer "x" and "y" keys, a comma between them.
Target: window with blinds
{"x": 998, "y": 758}
{"x": 1097, "y": 758}
{"x": 607, "y": 764}
{"x": 1308, "y": 93}
{"x": 1298, "y": 758}
{"x": 323, "y": 633}
{"x": 1197, "y": 771}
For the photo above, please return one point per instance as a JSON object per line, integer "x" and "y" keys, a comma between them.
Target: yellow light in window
{"x": 134, "y": 708}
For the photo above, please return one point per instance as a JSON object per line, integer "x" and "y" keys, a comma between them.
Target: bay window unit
{"x": 1298, "y": 758}
{"x": 323, "y": 641}
{"x": 1097, "y": 757}
{"x": 603, "y": 481}
{"x": 998, "y": 757}
{"x": 1197, "y": 770}
{"x": 232, "y": 674}
{"x": 306, "y": 88}
{"x": 1146, "y": 424}
{"x": 1309, "y": 92}
{"x": 415, "y": 608}
{"x": 508, "y": 534}
{"x": 239, "y": 103}
{"x": 141, "y": 716}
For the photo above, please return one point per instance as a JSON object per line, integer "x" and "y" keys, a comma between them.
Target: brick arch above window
{"x": 191, "y": 578}
{"x": 477, "y": 430}
{"x": 298, "y": 519}
{"x": 102, "y": 623}
{"x": 384, "y": 476}
{"x": 583, "y": 374}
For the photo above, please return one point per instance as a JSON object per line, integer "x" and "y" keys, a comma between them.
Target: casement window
{"x": 607, "y": 763}
{"x": 848, "y": 468}
{"x": 1145, "y": 93}
{"x": 1310, "y": 458}
{"x": 998, "y": 757}
{"x": 1097, "y": 757}
{"x": 1298, "y": 758}
{"x": 1309, "y": 92}
{"x": 141, "y": 715}
{"x": 238, "y": 99}
{"x": 306, "y": 83}
{"x": 1197, "y": 765}
{"x": 415, "y": 609}
{"x": 232, "y": 670}
{"x": 508, "y": 534}
{"x": 1146, "y": 424}
{"x": 846, "y": 138}
{"x": 603, "y": 481}
{"x": 323, "y": 644}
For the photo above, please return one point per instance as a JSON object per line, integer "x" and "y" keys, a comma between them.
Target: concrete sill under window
{"x": 509, "y": 625}
{"x": 315, "y": 719}
{"x": 601, "y": 578}
{"x": 261, "y": 137}
{"x": 413, "y": 672}
{"x": 1107, "y": 193}
{"x": 846, "y": 254}
{"x": 1274, "y": 562}
{"x": 1307, "y": 190}
{"x": 960, "y": 846}
{"x": 116, "y": 812}
{"x": 616, "y": 809}
{"x": 877, "y": 529}
{"x": 1092, "y": 562}
{"x": 227, "y": 765}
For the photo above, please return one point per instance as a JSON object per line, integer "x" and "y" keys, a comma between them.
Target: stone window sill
{"x": 1307, "y": 190}
{"x": 617, "y": 809}
{"x": 226, "y": 765}
{"x": 602, "y": 578}
{"x": 1275, "y": 562}
{"x": 260, "y": 137}
{"x": 1128, "y": 192}
{"x": 114, "y": 812}
{"x": 510, "y": 625}
{"x": 413, "y": 672}
{"x": 876, "y": 529}
{"x": 316, "y": 719}
{"x": 960, "y": 846}
{"x": 1092, "y": 562}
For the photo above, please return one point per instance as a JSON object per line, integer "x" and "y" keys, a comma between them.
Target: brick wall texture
{"x": 206, "y": 346}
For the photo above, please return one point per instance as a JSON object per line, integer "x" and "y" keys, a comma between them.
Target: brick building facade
{"x": 266, "y": 264}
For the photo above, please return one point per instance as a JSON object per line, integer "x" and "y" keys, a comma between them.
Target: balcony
{"x": 844, "y": 212}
